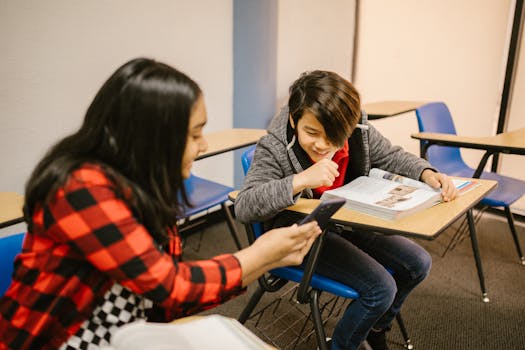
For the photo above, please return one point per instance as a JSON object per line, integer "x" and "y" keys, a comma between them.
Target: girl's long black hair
{"x": 136, "y": 129}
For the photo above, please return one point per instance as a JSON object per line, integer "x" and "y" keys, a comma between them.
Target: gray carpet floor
{"x": 444, "y": 312}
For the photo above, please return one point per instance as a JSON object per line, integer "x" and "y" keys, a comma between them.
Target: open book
{"x": 390, "y": 196}
{"x": 212, "y": 332}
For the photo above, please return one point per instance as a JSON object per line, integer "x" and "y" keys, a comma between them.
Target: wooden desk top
{"x": 426, "y": 224}
{"x": 10, "y": 208}
{"x": 229, "y": 140}
{"x": 507, "y": 142}
{"x": 383, "y": 109}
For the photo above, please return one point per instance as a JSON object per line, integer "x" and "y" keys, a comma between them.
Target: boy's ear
{"x": 291, "y": 121}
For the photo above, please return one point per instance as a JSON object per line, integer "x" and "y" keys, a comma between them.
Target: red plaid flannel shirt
{"x": 83, "y": 241}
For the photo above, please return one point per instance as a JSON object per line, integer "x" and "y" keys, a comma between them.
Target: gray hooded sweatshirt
{"x": 267, "y": 189}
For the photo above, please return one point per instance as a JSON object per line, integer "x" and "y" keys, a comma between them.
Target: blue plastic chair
{"x": 204, "y": 194}
{"x": 435, "y": 117}
{"x": 310, "y": 284}
{"x": 10, "y": 246}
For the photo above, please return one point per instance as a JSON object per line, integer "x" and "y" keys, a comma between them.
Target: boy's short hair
{"x": 332, "y": 99}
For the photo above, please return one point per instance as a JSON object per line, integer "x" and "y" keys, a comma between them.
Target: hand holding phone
{"x": 323, "y": 212}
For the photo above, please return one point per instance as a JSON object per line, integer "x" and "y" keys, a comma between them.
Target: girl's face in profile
{"x": 195, "y": 142}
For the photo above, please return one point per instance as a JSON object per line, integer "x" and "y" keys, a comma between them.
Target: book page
{"x": 383, "y": 193}
{"x": 209, "y": 332}
{"x": 383, "y": 174}
{"x": 391, "y": 196}
{"x": 462, "y": 185}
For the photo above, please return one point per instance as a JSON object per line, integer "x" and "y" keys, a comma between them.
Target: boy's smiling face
{"x": 312, "y": 137}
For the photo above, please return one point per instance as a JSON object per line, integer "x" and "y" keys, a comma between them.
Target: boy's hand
{"x": 322, "y": 173}
{"x": 440, "y": 180}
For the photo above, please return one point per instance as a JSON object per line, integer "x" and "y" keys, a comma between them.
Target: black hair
{"x": 136, "y": 130}
{"x": 332, "y": 99}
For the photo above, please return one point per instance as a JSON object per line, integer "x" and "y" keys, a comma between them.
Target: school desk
{"x": 427, "y": 224}
{"x": 511, "y": 142}
{"x": 229, "y": 140}
{"x": 11, "y": 208}
{"x": 384, "y": 109}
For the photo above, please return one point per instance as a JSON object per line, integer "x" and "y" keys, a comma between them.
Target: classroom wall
{"x": 254, "y": 68}
{"x": 446, "y": 50}
{"x": 451, "y": 51}
{"x": 56, "y": 54}
{"x": 311, "y": 37}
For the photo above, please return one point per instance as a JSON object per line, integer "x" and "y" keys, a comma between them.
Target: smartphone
{"x": 323, "y": 212}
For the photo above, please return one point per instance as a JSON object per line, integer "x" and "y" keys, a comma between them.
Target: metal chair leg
{"x": 477, "y": 258}
{"x": 510, "y": 219}
{"x": 317, "y": 320}
{"x": 404, "y": 332}
{"x": 231, "y": 225}
{"x": 462, "y": 231}
{"x": 252, "y": 303}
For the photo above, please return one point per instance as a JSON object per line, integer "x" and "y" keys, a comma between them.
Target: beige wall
{"x": 451, "y": 51}
{"x": 313, "y": 36}
{"x": 57, "y": 53}
{"x": 447, "y": 50}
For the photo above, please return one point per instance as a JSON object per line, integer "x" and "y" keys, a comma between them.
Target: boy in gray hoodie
{"x": 315, "y": 144}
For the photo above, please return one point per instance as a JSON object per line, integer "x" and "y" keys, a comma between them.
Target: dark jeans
{"x": 358, "y": 259}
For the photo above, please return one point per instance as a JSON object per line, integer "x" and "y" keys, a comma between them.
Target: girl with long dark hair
{"x": 102, "y": 247}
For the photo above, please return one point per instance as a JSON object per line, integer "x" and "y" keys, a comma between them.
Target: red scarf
{"x": 341, "y": 157}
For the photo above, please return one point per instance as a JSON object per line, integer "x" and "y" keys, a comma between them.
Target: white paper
{"x": 210, "y": 332}
{"x": 391, "y": 196}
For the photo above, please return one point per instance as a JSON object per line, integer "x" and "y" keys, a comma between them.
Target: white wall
{"x": 57, "y": 53}
{"x": 313, "y": 35}
{"x": 444, "y": 50}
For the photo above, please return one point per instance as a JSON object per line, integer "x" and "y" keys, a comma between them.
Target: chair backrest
{"x": 10, "y": 246}
{"x": 246, "y": 160}
{"x": 436, "y": 117}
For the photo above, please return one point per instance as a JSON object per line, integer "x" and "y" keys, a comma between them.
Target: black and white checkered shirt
{"x": 120, "y": 306}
